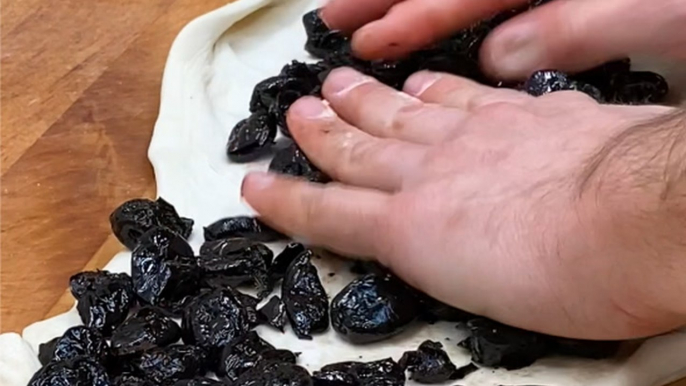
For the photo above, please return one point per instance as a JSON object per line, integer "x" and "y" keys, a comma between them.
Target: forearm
{"x": 635, "y": 191}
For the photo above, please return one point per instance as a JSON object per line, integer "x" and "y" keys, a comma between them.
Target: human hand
{"x": 537, "y": 212}
{"x": 568, "y": 35}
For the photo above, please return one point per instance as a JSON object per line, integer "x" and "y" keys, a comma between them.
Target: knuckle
{"x": 497, "y": 96}
{"x": 352, "y": 155}
{"x": 312, "y": 204}
{"x": 480, "y": 101}
{"x": 403, "y": 116}
{"x": 358, "y": 153}
{"x": 427, "y": 83}
{"x": 497, "y": 109}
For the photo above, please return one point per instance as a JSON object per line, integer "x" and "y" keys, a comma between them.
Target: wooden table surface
{"x": 80, "y": 94}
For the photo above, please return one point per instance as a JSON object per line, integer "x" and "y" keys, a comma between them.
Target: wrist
{"x": 635, "y": 205}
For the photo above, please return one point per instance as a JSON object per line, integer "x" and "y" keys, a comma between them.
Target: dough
{"x": 210, "y": 73}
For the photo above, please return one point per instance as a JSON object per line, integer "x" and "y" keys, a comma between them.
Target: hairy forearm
{"x": 635, "y": 188}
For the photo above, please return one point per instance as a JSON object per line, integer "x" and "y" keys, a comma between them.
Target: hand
{"x": 568, "y": 35}
{"x": 505, "y": 205}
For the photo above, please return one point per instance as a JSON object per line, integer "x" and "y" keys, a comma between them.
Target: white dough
{"x": 211, "y": 71}
{"x": 18, "y": 361}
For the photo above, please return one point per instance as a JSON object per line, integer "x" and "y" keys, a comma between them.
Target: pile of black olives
{"x": 254, "y": 137}
{"x": 131, "y": 334}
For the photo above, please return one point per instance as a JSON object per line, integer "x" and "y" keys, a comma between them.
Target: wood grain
{"x": 80, "y": 95}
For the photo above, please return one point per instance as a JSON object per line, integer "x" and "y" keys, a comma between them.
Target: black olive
{"x": 241, "y": 226}
{"x": 284, "y": 259}
{"x": 46, "y": 351}
{"x": 464, "y": 371}
{"x": 236, "y": 261}
{"x": 373, "y": 308}
{"x": 547, "y": 81}
{"x": 199, "y": 381}
{"x": 252, "y": 137}
{"x": 146, "y": 329}
{"x": 249, "y": 303}
{"x": 305, "y": 298}
{"x": 104, "y": 298}
{"x": 79, "y": 371}
{"x": 135, "y": 217}
{"x": 589, "y": 90}
{"x": 278, "y": 355}
{"x": 638, "y": 88}
{"x": 273, "y": 97}
{"x": 128, "y": 379}
{"x": 265, "y": 93}
{"x": 429, "y": 364}
{"x": 241, "y": 354}
{"x": 495, "y": 345}
{"x": 313, "y": 23}
{"x": 384, "y": 372}
{"x": 165, "y": 273}
{"x": 601, "y": 76}
{"x": 334, "y": 378}
{"x": 293, "y": 162}
{"x": 279, "y": 109}
{"x": 213, "y": 319}
{"x": 275, "y": 374}
{"x": 165, "y": 366}
{"x": 274, "y": 313}
{"x": 321, "y": 41}
{"x": 309, "y": 73}
{"x": 75, "y": 342}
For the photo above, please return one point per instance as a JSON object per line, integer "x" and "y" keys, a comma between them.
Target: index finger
{"x": 414, "y": 24}
{"x": 344, "y": 219}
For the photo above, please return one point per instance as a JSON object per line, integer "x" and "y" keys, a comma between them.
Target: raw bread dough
{"x": 211, "y": 70}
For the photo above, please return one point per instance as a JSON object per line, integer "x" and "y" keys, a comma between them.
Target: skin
{"x": 493, "y": 201}
{"x": 551, "y": 36}
{"x": 554, "y": 214}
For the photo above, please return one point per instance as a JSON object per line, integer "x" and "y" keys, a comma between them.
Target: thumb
{"x": 574, "y": 35}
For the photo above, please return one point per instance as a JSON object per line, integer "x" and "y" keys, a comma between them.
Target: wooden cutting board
{"x": 80, "y": 95}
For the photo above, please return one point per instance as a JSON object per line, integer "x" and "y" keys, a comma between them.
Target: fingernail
{"x": 518, "y": 51}
{"x": 311, "y": 108}
{"x": 341, "y": 80}
{"x": 323, "y": 15}
{"x": 420, "y": 82}
{"x": 257, "y": 181}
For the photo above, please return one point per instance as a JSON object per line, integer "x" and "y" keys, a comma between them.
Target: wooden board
{"x": 80, "y": 95}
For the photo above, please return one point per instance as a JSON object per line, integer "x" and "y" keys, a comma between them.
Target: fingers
{"x": 430, "y": 20}
{"x": 348, "y": 154}
{"x": 345, "y": 219}
{"x": 384, "y": 112}
{"x": 573, "y": 35}
{"x": 349, "y": 15}
{"x": 457, "y": 92}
